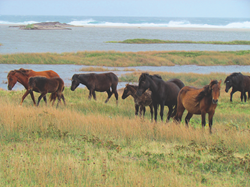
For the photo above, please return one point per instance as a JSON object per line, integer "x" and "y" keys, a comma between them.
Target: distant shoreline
{"x": 146, "y": 27}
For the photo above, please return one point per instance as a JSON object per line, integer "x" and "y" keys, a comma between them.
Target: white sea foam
{"x": 183, "y": 24}
{"x": 178, "y": 24}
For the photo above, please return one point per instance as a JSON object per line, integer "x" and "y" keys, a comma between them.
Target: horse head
{"x": 233, "y": 79}
{"x": 12, "y": 79}
{"x": 214, "y": 86}
{"x": 143, "y": 83}
{"x": 74, "y": 82}
{"x": 126, "y": 92}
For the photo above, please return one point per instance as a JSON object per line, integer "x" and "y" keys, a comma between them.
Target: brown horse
{"x": 198, "y": 101}
{"x": 22, "y": 76}
{"x": 97, "y": 82}
{"x": 140, "y": 101}
{"x": 45, "y": 85}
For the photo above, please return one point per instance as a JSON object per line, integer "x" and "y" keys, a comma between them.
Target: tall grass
{"x": 154, "y": 41}
{"x": 124, "y": 59}
{"x": 89, "y": 143}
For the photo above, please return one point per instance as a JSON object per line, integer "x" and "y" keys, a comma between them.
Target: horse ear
{"x": 220, "y": 82}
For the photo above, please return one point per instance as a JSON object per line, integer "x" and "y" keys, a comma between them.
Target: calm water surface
{"x": 67, "y": 71}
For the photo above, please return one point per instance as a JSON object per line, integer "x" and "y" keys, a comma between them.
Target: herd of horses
{"x": 151, "y": 91}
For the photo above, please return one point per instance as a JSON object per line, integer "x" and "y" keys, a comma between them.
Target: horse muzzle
{"x": 10, "y": 87}
{"x": 215, "y": 101}
{"x": 226, "y": 90}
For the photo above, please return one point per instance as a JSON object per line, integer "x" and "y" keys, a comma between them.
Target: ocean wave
{"x": 170, "y": 24}
{"x": 17, "y": 23}
{"x": 183, "y": 24}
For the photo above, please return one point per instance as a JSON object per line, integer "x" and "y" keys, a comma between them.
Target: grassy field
{"x": 125, "y": 59}
{"x": 89, "y": 143}
{"x": 157, "y": 41}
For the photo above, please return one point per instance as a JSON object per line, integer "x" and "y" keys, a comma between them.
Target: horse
{"x": 140, "y": 101}
{"x": 45, "y": 85}
{"x": 22, "y": 76}
{"x": 198, "y": 101}
{"x": 238, "y": 82}
{"x": 97, "y": 82}
{"x": 163, "y": 93}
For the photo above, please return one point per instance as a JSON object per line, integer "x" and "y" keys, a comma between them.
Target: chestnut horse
{"x": 163, "y": 93}
{"x": 22, "y": 76}
{"x": 97, "y": 82}
{"x": 44, "y": 85}
{"x": 198, "y": 101}
{"x": 140, "y": 101}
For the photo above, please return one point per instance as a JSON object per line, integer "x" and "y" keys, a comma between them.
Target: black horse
{"x": 97, "y": 82}
{"x": 163, "y": 93}
{"x": 238, "y": 82}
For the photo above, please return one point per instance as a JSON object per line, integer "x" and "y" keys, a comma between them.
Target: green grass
{"x": 157, "y": 41}
{"x": 90, "y": 143}
{"x": 126, "y": 59}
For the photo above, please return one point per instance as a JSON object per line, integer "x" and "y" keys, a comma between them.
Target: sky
{"x": 138, "y": 8}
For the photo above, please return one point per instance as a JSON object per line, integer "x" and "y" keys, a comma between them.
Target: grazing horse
{"x": 238, "y": 82}
{"x": 45, "y": 85}
{"x": 198, "y": 101}
{"x": 97, "y": 82}
{"x": 140, "y": 101}
{"x": 163, "y": 93}
{"x": 22, "y": 76}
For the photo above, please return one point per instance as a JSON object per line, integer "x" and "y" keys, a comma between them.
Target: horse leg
{"x": 115, "y": 92}
{"x": 203, "y": 119}
{"x": 144, "y": 110}
{"x": 40, "y": 97}
{"x": 210, "y": 118}
{"x": 109, "y": 95}
{"x": 170, "y": 110}
{"x": 188, "y": 117}
{"x": 151, "y": 112}
{"x": 94, "y": 96}
{"x": 155, "y": 109}
{"x": 245, "y": 96}
{"x": 136, "y": 109}
{"x": 179, "y": 111}
{"x": 63, "y": 99}
{"x": 231, "y": 94}
{"x": 45, "y": 100}
{"x": 90, "y": 94}
{"x": 25, "y": 95}
{"x": 162, "y": 110}
{"x": 141, "y": 109}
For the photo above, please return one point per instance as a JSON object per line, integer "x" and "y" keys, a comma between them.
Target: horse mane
{"x": 207, "y": 90}
{"x": 157, "y": 76}
{"x": 233, "y": 75}
{"x": 23, "y": 71}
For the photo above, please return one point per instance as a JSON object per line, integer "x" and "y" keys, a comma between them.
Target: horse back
{"x": 47, "y": 74}
{"x": 187, "y": 98}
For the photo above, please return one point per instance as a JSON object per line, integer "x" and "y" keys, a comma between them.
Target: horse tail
{"x": 53, "y": 97}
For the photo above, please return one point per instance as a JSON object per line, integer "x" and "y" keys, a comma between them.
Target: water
{"x": 93, "y": 38}
{"x": 67, "y": 71}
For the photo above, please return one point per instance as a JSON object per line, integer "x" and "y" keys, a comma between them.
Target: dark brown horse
{"x": 22, "y": 76}
{"x": 45, "y": 85}
{"x": 163, "y": 93}
{"x": 97, "y": 82}
{"x": 238, "y": 82}
{"x": 198, "y": 101}
{"x": 140, "y": 101}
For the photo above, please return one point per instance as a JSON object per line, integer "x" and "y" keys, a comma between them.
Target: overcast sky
{"x": 148, "y": 8}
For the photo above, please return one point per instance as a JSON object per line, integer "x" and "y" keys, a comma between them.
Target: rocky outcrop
{"x": 46, "y": 26}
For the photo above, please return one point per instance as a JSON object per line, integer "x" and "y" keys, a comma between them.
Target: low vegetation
{"x": 126, "y": 59}
{"x": 157, "y": 41}
{"x": 89, "y": 143}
